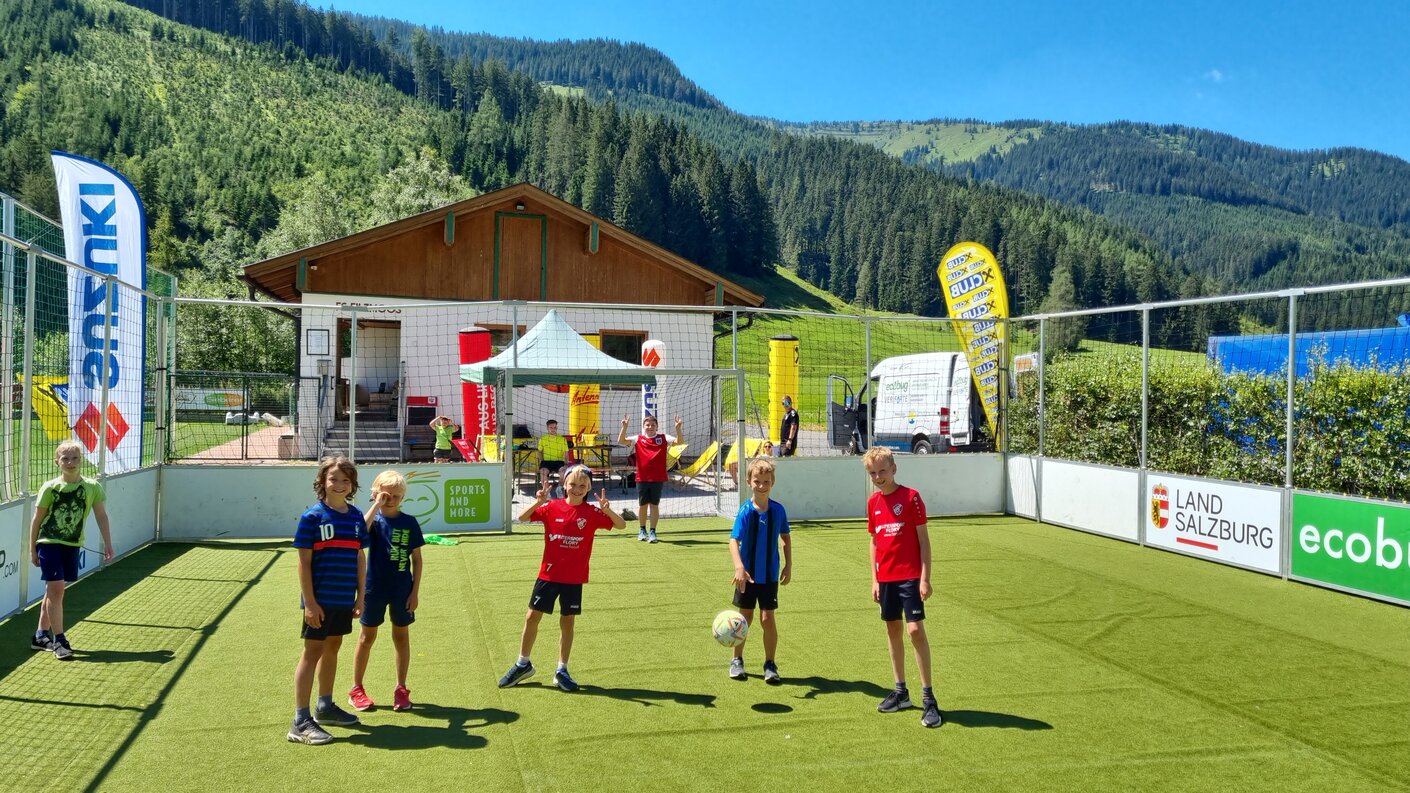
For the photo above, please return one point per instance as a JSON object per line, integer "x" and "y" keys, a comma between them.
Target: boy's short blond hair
{"x": 761, "y": 465}
{"x": 878, "y": 454}
{"x": 68, "y": 445}
{"x": 576, "y": 472}
{"x": 388, "y": 481}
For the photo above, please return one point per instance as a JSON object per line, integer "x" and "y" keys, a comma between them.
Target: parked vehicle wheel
{"x": 921, "y": 446}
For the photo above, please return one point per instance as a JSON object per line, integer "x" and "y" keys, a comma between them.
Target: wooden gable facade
{"x": 518, "y": 243}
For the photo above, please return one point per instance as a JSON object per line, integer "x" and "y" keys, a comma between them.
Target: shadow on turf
{"x": 641, "y": 696}
{"x": 964, "y": 718}
{"x": 984, "y": 718}
{"x": 454, "y": 734}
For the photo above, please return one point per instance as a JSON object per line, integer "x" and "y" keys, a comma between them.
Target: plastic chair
{"x": 696, "y": 469}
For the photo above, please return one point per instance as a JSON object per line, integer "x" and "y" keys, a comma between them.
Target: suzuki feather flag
{"x": 974, "y": 290}
{"x": 105, "y": 231}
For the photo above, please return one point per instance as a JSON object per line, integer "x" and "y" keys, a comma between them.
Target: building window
{"x": 624, "y": 345}
{"x": 500, "y": 336}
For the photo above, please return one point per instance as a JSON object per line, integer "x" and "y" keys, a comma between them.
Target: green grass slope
{"x": 1064, "y": 661}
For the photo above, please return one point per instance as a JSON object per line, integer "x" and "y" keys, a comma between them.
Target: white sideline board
{"x": 819, "y": 488}
{"x": 12, "y": 528}
{"x": 1022, "y": 489}
{"x": 229, "y": 501}
{"x": 1095, "y": 498}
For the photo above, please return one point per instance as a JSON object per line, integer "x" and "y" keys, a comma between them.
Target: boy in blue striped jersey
{"x": 759, "y": 528}
{"x": 332, "y": 572}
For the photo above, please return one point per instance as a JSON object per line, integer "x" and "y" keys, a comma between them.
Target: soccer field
{"x": 1064, "y": 661}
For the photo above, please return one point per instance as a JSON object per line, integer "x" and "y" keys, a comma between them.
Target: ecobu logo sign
{"x": 1353, "y": 544}
{"x": 1225, "y": 522}
{"x": 103, "y": 230}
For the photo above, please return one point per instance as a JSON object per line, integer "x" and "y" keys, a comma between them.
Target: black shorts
{"x": 57, "y": 562}
{"x": 902, "y": 597}
{"x": 551, "y": 465}
{"x": 546, "y": 592}
{"x": 765, "y": 596}
{"x": 648, "y": 492}
{"x": 440, "y": 454}
{"x": 375, "y": 605}
{"x": 336, "y": 622}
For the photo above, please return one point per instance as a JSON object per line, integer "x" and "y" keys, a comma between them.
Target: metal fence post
{"x": 1145, "y": 419}
{"x": 866, "y": 378}
{"x": 1042, "y": 381}
{"x": 352, "y": 386}
{"x": 27, "y": 427}
{"x": 1285, "y": 555}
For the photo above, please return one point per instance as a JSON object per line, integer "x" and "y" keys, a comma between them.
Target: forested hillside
{"x": 1250, "y": 216}
{"x": 244, "y": 150}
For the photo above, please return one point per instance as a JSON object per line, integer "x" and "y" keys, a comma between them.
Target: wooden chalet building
{"x": 515, "y": 244}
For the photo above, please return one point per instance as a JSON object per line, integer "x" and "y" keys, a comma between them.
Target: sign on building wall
{"x": 1358, "y": 545}
{"x": 1230, "y": 523}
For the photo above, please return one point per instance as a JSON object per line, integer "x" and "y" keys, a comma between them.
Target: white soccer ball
{"x": 730, "y": 628}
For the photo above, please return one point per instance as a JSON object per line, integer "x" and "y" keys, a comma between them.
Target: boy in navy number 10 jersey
{"x": 332, "y": 569}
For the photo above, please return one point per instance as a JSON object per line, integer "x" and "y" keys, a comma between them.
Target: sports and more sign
{"x": 1227, "y": 523}
{"x": 1358, "y": 545}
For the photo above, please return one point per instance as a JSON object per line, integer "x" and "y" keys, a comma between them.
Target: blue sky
{"x": 1294, "y": 74}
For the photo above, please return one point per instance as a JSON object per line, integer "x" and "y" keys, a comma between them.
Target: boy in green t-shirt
{"x": 445, "y": 430}
{"x": 56, "y": 535}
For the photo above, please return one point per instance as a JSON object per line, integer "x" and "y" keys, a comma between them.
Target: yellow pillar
{"x": 584, "y": 401}
{"x": 784, "y": 379}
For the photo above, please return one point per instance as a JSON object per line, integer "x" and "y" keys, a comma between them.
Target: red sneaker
{"x": 359, "y": 699}
{"x": 401, "y": 698}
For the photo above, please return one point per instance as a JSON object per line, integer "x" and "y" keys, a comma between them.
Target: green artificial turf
{"x": 1064, "y": 661}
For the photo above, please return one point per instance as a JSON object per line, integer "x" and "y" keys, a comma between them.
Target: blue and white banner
{"x": 105, "y": 231}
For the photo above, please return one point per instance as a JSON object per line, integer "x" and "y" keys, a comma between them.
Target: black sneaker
{"x": 517, "y": 674}
{"x": 41, "y": 643}
{"x": 931, "y": 715}
{"x": 564, "y": 680}
{"x": 898, "y": 699}
{"x": 308, "y": 731}
{"x": 332, "y": 714}
{"x": 61, "y": 648}
{"x": 771, "y": 674}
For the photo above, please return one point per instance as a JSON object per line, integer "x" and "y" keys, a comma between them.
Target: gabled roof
{"x": 278, "y": 276}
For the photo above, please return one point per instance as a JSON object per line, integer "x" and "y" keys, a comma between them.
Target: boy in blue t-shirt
{"x": 332, "y": 569}
{"x": 759, "y": 527}
{"x": 393, "y": 581}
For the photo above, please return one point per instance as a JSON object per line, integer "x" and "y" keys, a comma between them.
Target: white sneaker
{"x": 641, "y": 535}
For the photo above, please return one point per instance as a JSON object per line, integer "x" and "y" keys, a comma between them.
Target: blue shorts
{"x": 375, "y": 605}
{"x": 57, "y": 562}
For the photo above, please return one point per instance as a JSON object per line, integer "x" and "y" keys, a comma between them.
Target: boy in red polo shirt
{"x": 569, "y": 526}
{"x": 900, "y": 556}
{"x": 650, "y": 448}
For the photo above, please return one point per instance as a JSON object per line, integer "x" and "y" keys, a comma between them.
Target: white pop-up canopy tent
{"x": 552, "y": 353}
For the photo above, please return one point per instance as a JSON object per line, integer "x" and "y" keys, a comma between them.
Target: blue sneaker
{"x": 564, "y": 680}
{"x": 517, "y": 674}
{"x": 641, "y": 534}
{"x": 332, "y": 714}
{"x": 308, "y": 731}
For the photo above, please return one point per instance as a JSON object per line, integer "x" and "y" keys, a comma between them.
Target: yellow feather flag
{"x": 974, "y": 292}
{"x": 50, "y": 406}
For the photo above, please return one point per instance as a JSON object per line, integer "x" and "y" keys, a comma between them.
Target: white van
{"x": 920, "y": 403}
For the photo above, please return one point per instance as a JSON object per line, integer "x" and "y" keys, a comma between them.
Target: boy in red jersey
{"x": 569, "y": 526}
{"x": 900, "y": 557}
{"x": 650, "y": 449}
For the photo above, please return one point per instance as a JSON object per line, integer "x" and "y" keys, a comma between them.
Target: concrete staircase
{"x": 377, "y": 441}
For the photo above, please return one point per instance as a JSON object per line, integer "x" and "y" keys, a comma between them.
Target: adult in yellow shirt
{"x": 553, "y": 453}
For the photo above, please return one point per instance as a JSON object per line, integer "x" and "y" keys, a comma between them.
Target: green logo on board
{"x": 1352, "y": 544}
{"x": 467, "y": 500}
